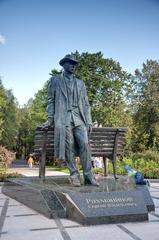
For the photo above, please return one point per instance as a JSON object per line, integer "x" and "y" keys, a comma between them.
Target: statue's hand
{"x": 47, "y": 124}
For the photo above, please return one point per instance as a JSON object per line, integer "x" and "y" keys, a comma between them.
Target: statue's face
{"x": 69, "y": 67}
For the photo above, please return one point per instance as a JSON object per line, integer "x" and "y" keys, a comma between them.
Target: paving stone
{"x": 100, "y": 232}
{"x": 2, "y": 200}
{"x": 145, "y": 231}
{"x": 69, "y": 223}
{"x": 156, "y": 202}
{"x": 28, "y": 222}
{"x": 24, "y": 234}
{"x": 157, "y": 212}
{"x": 20, "y": 209}
{"x": 152, "y": 217}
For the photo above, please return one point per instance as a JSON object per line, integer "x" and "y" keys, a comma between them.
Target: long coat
{"x": 57, "y": 110}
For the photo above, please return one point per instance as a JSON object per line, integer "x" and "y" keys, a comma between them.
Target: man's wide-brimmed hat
{"x": 68, "y": 58}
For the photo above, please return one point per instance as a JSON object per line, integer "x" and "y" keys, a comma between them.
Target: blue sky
{"x": 36, "y": 34}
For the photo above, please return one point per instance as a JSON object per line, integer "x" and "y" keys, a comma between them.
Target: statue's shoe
{"x": 91, "y": 182}
{"x": 74, "y": 181}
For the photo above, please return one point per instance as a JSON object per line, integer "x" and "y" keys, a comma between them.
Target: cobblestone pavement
{"x": 18, "y": 222}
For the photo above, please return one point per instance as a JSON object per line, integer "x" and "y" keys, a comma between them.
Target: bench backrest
{"x": 104, "y": 141}
{"x": 42, "y": 137}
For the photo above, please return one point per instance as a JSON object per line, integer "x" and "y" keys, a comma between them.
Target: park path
{"x": 21, "y": 166}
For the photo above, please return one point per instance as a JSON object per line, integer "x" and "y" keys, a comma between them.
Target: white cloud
{"x": 2, "y": 39}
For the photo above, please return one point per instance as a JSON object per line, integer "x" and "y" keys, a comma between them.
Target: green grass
{"x": 148, "y": 167}
{"x": 59, "y": 169}
{"x": 62, "y": 169}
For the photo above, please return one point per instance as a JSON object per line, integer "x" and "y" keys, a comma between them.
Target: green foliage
{"x": 17, "y": 125}
{"x": 30, "y": 116}
{"x": 59, "y": 169}
{"x": 8, "y": 118}
{"x": 36, "y": 115}
{"x": 149, "y": 168}
{"x": 23, "y": 132}
{"x": 10, "y": 123}
{"x": 55, "y": 72}
{"x": 148, "y": 155}
{"x": 2, "y": 107}
{"x": 146, "y": 107}
{"x": 108, "y": 88}
{"x": 38, "y": 108}
{"x": 117, "y": 99}
{"x": 147, "y": 163}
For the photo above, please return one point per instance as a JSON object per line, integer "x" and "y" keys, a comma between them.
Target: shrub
{"x": 149, "y": 168}
{"x": 4, "y": 175}
{"x": 6, "y": 157}
{"x": 147, "y": 155}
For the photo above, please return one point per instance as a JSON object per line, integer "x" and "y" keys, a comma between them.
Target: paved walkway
{"x": 20, "y": 166}
{"x": 18, "y": 222}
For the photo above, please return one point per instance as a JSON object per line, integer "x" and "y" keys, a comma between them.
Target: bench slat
{"x": 104, "y": 142}
{"x": 111, "y": 129}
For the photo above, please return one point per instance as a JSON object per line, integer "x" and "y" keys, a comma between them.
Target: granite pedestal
{"x": 114, "y": 201}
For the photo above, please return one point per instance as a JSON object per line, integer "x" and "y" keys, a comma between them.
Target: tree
{"x": 55, "y": 72}
{"x": 10, "y": 120}
{"x": 32, "y": 115}
{"x": 108, "y": 88}
{"x": 146, "y": 107}
{"x": 2, "y": 107}
{"x": 39, "y": 105}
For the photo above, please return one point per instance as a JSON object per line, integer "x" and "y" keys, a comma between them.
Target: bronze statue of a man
{"x": 69, "y": 111}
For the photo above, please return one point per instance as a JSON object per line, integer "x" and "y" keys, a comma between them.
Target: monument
{"x": 84, "y": 200}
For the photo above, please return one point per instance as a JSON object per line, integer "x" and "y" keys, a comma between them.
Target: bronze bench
{"x": 105, "y": 142}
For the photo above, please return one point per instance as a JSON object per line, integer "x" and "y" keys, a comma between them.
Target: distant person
{"x": 98, "y": 162}
{"x": 30, "y": 161}
{"x": 139, "y": 179}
